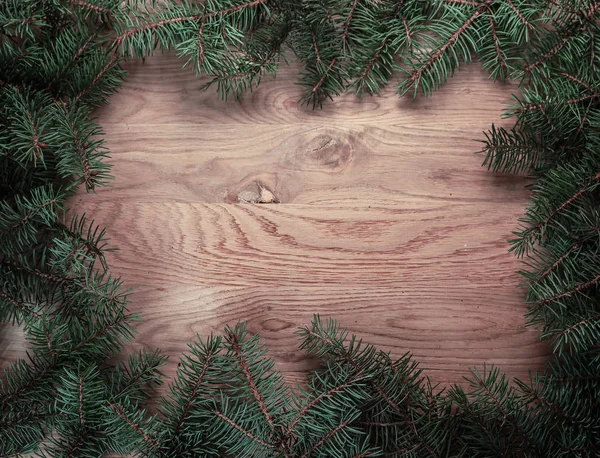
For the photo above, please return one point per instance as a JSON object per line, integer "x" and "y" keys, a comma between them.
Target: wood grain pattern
{"x": 387, "y": 222}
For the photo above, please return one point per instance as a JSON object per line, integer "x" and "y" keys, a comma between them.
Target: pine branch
{"x": 98, "y": 76}
{"x": 194, "y": 17}
{"x": 500, "y": 57}
{"x": 347, "y": 22}
{"x": 326, "y": 437}
{"x": 519, "y": 15}
{"x": 243, "y": 364}
{"x": 437, "y": 54}
{"x": 246, "y": 433}
{"x": 149, "y": 441}
{"x": 558, "y": 262}
{"x": 576, "y": 289}
{"x": 316, "y": 400}
{"x": 90, "y": 6}
{"x": 546, "y": 56}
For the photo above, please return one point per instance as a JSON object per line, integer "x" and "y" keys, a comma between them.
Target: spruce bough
{"x": 60, "y": 58}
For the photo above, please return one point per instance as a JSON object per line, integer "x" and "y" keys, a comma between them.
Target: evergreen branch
{"x": 318, "y": 56}
{"x": 200, "y": 45}
{"x": 415, "y": 431}
{"x": 406, "y": 30}
{"x": 80, "y": 398}
{"x": 90, "y": 6}
{"x": 519, "y": 15}
{"x": 464, "y": 2}
{"x": 436, "y": 55}
{"x": 193, "y": 17}
{"x": 536, "y": 396}
{"x": 547, "y": 55}
{"x": 579, "y": 324}
{"x": 118, "y": 410}
{"x": 584, "y": 117}
{"x": 195, "y": 387}
{"x": 98, "y": 76}
{"x": 538, "y": 227}
{"x": 314, "y": 402}
{"x": 20, "y": 304}
{"x": 49, "y": 343}
{"x": 348, "y": 357}
{"x": 576, "y": 289}
{"x": 325, "y": 438}
{"x": 75, "y": 446}
{"x": 30, "y": 214}
{"x": 570, "y": 379}
{"x": 83, "y": 47}
{"x": 372, "y": 61}
{"x": 59, "y": 280}
{"x": 556, "y": 263}
{"x": 541, "y": 107}
{"x": 97, "y": 334}
{"x": 497, "y": 47}
{"x": 249, "y": 379}
{"x": 347, "y": 22}
{"x": 320, "y": 82}
{"x": 576, "y": 80}
{"x": 385, "y": 397}
{"x": 246, "y": 433}
{"x": 32, "y": 381}
{"x": 35, "y": 140}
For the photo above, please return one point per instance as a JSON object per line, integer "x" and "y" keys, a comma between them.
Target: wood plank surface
{"x": 387, "y": 221}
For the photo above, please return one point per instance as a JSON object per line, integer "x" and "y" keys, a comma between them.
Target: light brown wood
{"x": 387, "y": 221}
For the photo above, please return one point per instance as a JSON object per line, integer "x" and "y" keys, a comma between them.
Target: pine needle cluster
{"x": 60, "y": 58}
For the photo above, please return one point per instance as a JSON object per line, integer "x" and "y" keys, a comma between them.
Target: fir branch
{"x": 98, "y": 76}
{"x": 320, "y": 82}
{"x": 372, "y": 61}
{"x": 347, "y": 23}
{"x": 246, "y": 433}
{"x": 576, "y": 80}
{"x": 437, "y": 54}
{"x": 118, "y": 410}
{"x": 32, "y": 380}
{"x": 80, "y": 398}
{"x": 90, "y": 6}
{"x": 576, "y": 289}
{"x": 33, "y": 210}
{"x": 547, "y": 55}
{"x": 535, "y": 395}
{"x": 584, "y": 117}
{"x": 56, "y": 279}
{"x": 464, "y": 2}
{"x": 195, "y": 387}
{"x": 579, "y": 324}
{"x": 495, "y": 40}
{"x": 519, "y": 15}
{"x": 415, "y": 431}
{"x": 326, "y": 437}
{"x": 108, "y": 326}
{"x": 194, "y": 17}
{"x": 316, "y": 400}
{"x": 318, "y": 56}
{"x": 557, "y": 263}
{"x": 243, "y": 364}
{"x": 25, "y": 307}
{"x": 532, "y": 232}
{"x": 200, "y": 45}
{"x": 83, "y": 47}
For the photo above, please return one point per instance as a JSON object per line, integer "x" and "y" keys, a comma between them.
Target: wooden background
{"x": 387, "y": 221}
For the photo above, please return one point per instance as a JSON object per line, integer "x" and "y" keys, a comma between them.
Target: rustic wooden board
{"x": 387, "y": 222}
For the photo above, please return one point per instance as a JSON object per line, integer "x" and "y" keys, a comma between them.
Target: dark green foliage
{"x": 59, "y": 58}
